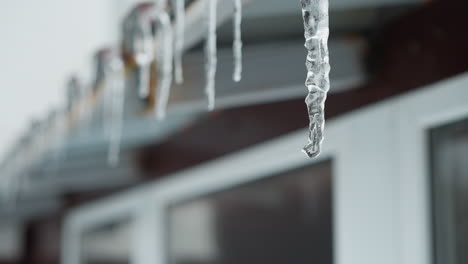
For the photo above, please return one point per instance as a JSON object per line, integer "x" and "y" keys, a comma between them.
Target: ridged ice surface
{"x": 237, "y": 45}
{"x": 210, "y": 51}
{"x": 316, "y": 31}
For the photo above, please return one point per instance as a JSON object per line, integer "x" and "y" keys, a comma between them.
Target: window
{"x": 286, "y": 218}
{"x": 107, "y": 244}
{"x": 449, "y": 170}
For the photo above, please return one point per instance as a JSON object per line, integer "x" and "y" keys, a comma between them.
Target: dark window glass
{"x": 449, "y": 170}
{"x": 107, "y": 244}
{"x": 286, "y": 218}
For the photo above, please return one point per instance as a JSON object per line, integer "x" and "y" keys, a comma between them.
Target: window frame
{"x": 381, "y": 202}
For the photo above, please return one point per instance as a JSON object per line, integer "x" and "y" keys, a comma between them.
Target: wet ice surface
{"x": 316, "y": 31}
{"x": 210, "y": 51}
{"x": 237, "y": 45}
{"x": 179, "y": 40}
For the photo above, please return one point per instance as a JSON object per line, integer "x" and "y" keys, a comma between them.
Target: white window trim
{"x": 440, "y": 104}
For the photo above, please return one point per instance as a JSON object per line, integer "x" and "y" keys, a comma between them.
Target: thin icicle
{"x": 315, "y": 15}
{"x": 179, "y": 40}
{"x": 237, "y": 45}
{"x": 4, "y": 186}
{"x": 52, "y": 121}
{"x": 9, "y": 173}
{"x": 210, "y": 51}
{"x": 116, "y": 81}
{"x": 165, "y": 58}
{"x": 13, "y": 166}
{"x": 12, "y": 185}
{"x": 144, "y": 53}
{"x": 20, "y": 161}
{"x": 58, "y": 147}
{"x": 5, "y": 171}
{"x": 144, "y": 79}
{"x": 107, "y": 107}
{"x": 101, "y": 71}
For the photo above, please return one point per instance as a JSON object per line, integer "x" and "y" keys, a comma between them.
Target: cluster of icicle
{"x": 14, "y": 175}
{"x": 146, "y": 50}
{"x": 167, "y": 50}
{"x": 11, "y": 176}
{"x": 210, "y": 48}
{"x": 316, "y": 31}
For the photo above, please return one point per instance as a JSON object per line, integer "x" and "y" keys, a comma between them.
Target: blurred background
{"x": 80, "y": 185}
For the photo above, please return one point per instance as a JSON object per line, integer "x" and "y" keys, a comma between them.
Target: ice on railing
{"x": 210, "y": 51}
{"x": 237, "y": 45}
{"x": 315, "y": 15}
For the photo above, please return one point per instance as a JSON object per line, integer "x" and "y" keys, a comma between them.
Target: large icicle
{"x": 237, "y": 45}
{"x": 115, "y": 83}
{"x": 315, "y": 15}
{"x": 179, "y": 40}
{"x": 210, "y": 51}
{"x": 165, "y": 58}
